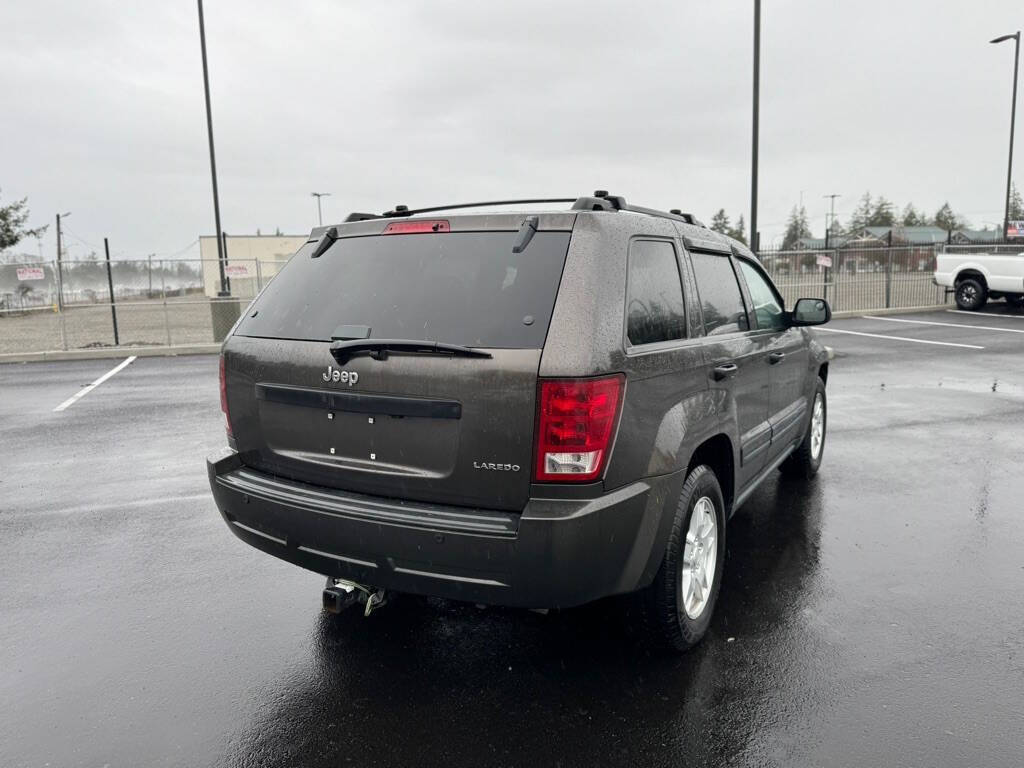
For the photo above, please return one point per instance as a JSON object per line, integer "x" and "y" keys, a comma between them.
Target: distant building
{"x": 898, "y": 235}
{"x": 976, "y": 236}
{"x": 251, "y": 261}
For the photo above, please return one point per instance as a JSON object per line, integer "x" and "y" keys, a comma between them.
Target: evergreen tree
{"x": 862, "y": 214}
{"x": 796, "y": 228}
{"x": 720, "y": 222}
{"x": 946, "y": 218}
{"x": 882, "y": 214}
{"x": 739, "y": 231}
{"x": 913, "y": 217}
{"x": 1016, "y": 204}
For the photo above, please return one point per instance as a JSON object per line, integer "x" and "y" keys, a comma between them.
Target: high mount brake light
{"x": 576, "y": 421}
{"x": 417, "y": 227}
{"x": 224, "y": 397}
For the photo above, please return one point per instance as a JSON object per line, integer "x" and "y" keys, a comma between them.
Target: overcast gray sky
{"x": 425, "y": 103}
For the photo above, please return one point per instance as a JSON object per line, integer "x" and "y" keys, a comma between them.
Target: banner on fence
{"x": 824, "y": 260}
{"x": 31, "y": 273}
{"x": 1015, "y": 229}
{"x": 236, "y": 270}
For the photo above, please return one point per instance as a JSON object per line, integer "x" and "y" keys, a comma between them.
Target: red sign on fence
{"x": 824, "y": 260}
{"x": 31, "y": 273}
{"x": 236, "y": 270}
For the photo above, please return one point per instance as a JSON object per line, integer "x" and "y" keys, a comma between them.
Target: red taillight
{"x": 417, "y": 226}
{"x": 224, "y": 397}
{"x": 575, "y": 426}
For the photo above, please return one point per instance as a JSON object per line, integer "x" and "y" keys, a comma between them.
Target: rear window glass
{"x": 462, "y": 288}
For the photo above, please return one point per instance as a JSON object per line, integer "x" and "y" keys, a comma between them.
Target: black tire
{"x": 805, "y": 461}
{"x": 1015, "y": 300}
{"x": 971, "y": 294}
{"x": 668, "y": 624}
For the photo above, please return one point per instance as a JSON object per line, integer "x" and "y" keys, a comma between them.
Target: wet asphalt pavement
{"x": 874, "y": 616}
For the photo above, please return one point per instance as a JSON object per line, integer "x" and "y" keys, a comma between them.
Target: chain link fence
{"x": 154, "y": 302}
{"x": 83, "y": 304}
{"x": 858, "y": 279}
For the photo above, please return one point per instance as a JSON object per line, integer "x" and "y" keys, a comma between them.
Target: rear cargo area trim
{"x": 360, "y": 402}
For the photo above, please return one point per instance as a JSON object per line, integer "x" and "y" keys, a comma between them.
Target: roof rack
{"x": 599, "y": 201}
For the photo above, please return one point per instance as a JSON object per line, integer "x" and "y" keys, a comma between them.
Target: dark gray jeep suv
{"x": 523, "y": 409}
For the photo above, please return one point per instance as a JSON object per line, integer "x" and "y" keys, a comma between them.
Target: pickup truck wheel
{"x": 971, "y": 294}
{"x": 1015, "y": 301}
{"x": 678, "y": 605}
{"x": 805, "y": 461}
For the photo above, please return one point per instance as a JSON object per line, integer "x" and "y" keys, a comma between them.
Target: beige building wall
{"x": 252, "y": 261}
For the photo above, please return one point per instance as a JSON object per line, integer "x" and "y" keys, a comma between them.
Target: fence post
{"x": 163, "y": 293}
{"x": 60, "y": 306}
{"x": 888, "y": 277}
{"x": 110, "y": 286}
{"x": 259, "y": 276}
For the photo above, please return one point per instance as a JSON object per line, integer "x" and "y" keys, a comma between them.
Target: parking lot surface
{"x": 874, "y": 616}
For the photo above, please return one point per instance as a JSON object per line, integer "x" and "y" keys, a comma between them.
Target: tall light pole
{"x": 831, "y": 215}
{"x": 60, "y": 277}
{"x": 213, "y": 159}
{"x": 319, "y": 210}
{"x": 754, "y": 245}
{"x": 1013, "y": 116}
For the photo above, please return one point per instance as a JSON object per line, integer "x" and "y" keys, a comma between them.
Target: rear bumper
{"x": 557, "y": 553}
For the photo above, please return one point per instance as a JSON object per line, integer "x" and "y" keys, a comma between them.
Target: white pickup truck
{"x": 976, "y": 277}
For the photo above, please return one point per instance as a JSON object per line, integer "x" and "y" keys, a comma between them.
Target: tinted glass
{"x": 462, "y": 288}
{"x": 767, "y": 306}
{"x": 720, "y": 296}
{"x": 654, "y": 300}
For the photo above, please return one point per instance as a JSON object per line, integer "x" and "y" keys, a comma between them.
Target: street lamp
{"x": 754, "y": 244}
{"x": 213, "y": 160}
{"x": 319, "y": 210}
{"x": 1013, "y": 116}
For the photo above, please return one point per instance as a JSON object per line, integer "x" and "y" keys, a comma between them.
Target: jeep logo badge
{"x": 345, "y": 377}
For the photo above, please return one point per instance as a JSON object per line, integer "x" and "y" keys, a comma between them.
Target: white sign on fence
{"x": 824, "y": 260}
{"x": 31, "y": 273}
{"x": 236, "y": 270}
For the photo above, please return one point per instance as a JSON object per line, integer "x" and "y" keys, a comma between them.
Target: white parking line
{"x": 901, "y": 338}
{"x": 86, "y": 390}
{"x": 985, "y": 314}
{"x": 947, "y": 325}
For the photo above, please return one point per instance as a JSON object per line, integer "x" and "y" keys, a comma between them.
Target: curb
{"x": 106, "y": 353}
{"x": 889, "y": 311}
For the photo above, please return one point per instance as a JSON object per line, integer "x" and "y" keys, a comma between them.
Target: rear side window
{"x": 720, "y": 296}
{"x": 654, "y": 294}
{"x": 459, "y": 287}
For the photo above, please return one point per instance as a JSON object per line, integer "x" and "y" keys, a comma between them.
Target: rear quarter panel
{"x": 668, "y": 409}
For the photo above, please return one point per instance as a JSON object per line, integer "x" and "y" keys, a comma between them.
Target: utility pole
{"x": 754, "y": 244}
{"x": 213, "y": 159}
{"x": 1013, "y": 116}
{"x": 60, "y": 276}
{"x": 319, "y": 210}
{"x": 830, "y": 219}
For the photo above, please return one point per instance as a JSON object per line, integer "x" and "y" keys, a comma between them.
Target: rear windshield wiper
{"x": 379, "y": 349}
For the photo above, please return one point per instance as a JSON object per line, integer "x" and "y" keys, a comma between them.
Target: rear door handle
{"x": 726, "y": 371}
{"x": 776, "y": 357}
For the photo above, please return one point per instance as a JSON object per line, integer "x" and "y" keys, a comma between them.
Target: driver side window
{"x": 767, "y": 304}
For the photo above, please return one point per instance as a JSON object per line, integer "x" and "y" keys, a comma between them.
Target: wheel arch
{"x": 719, "y": 454}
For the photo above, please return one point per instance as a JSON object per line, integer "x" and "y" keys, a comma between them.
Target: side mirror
{"x": 810, "y": 312}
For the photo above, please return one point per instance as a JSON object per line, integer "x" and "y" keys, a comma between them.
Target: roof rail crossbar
{"x": 599, "y": 201}
{"x": 402, "y": 210}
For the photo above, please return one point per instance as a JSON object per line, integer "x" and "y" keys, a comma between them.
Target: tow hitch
{"x": 340, "y": 594}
